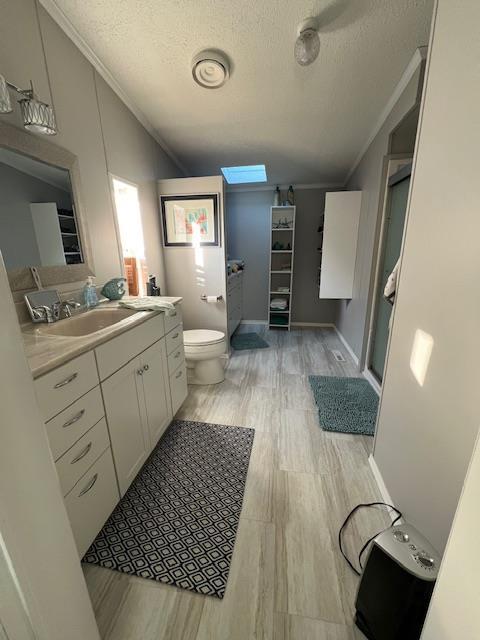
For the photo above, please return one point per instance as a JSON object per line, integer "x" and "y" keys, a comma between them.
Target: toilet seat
{"x": 202, "y": 337}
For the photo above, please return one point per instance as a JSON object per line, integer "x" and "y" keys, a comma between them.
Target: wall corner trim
{"x": 382, "y": 487}
{"x": 52, "y": 8}
{"x": 418, "y": 57}
{"x": 347, "y": 346}
{"x": 367, "y": 374}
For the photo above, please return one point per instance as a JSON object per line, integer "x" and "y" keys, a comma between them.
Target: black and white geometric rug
{"x": 178, "y": 521}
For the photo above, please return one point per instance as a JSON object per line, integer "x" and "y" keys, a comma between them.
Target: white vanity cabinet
{"x": 105, "y": 411}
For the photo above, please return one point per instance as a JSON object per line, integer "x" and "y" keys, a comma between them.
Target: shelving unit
{"x": 281, "y": 264}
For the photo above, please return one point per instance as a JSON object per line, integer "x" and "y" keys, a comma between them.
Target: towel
{"x": 149, "y": 303}
{"x": 391, "y": 286}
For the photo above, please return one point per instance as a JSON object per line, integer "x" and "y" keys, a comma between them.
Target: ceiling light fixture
{"x": 37, "y": 116}
{"x": 210, "y": 69}
{"x": 307, "y": 44}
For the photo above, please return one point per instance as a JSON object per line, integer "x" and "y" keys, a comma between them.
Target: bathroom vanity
{"x": 106, "y": 397}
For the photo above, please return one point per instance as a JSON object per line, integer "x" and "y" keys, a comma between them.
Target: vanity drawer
{"x": 112, "y": 355}
{"x": 175, "y": 359}
{"x": 178, "y": 388}
{"x": 91, "y": 501}
{"x": 77, "y": 460}
{"x": 172, "y": 321}
{"x": 174, "y": 339}
{"x": 59, "y": 388}
{"x": 70, "y": 425}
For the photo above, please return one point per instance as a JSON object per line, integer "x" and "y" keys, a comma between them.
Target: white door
{"x": 127, "y": 423}
{"x": 156, "y": 390}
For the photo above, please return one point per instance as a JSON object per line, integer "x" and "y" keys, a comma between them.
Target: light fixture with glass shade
{"x": 5, "y": 102}
{"x": 307, "y": 44}
{"x": 37, "y": 116}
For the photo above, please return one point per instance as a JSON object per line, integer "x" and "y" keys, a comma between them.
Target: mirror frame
{"x": 42, "y": 149}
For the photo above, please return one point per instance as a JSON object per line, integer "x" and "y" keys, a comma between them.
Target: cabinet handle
{"x": 177, "y": 354}
{"x": 146, "y": 367}
{"x": 140, "y": 372}
{"x": 75, "y": 418}
{"x": 66, "y": 381}
{"x": 179, "y": 374}
{"x": 82, "y": 454}
{"x": 175, "y": 335}
{"x": 88, "y": 486}
{"x": 173, "y": 314}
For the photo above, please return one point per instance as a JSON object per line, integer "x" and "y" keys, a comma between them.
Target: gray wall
{"x": 93, "y": 123}
{"x": 429, "y": 417}
{"x": 248, "y": 237}
{"x": 352, "y": 319}
{"x": 18, "y": 243}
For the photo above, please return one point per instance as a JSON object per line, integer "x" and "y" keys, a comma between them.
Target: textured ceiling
{"x": 306, "y": 124}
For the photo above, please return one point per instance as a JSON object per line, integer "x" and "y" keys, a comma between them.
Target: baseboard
{"x": 253, "y": 321}
{"x": 386, "y": 497}
{"x": 347, "y": 346}
{"x": 368, "y": 375}
{"x": 320, "y": 325}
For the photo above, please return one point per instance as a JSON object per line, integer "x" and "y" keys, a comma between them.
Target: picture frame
{"x": 190, "y": 220}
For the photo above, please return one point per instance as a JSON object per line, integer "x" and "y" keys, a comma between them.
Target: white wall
{"x": 454, "y": 611}
{"x": 427, "y": 428}
{"x": 190, "y": 272}
{"x": 65, "y": 78}
{"x": 33, "y": 521}
{"x": 352, "y": 320}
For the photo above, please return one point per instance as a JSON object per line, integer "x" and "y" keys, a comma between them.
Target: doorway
{"x": 394, "y": 223}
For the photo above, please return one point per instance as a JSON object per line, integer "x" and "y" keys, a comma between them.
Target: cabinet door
{"x": 156, "y": 390}
{"x": 125, "y": 411}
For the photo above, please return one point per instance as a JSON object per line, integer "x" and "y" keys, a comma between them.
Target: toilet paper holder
{"x": 205, "y": 298}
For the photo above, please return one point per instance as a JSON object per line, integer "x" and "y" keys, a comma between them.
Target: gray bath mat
{"x": 348, "y": 405}
{"x": 243, "y": 341}
{"x": 178, "y": 521}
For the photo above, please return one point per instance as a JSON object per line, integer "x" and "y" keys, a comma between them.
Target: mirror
{"x": 38, "y": 226}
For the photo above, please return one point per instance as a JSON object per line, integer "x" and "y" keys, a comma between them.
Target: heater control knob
{"x": 401, "y": 536}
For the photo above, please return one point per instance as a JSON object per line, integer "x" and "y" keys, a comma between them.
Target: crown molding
{"x": 67, "y": 27}
{"x": 418, "y": 57}
{"x": 283, "y": 187}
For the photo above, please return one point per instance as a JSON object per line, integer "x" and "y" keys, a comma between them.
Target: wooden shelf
{"x": 280, "y": 293}
{"x": 283, "y": 229}
{"x": 281, "y": 271}
{"x": 281, "y": 251}
{"x": 287, "y": 311}
{"x": 286, "y": 215}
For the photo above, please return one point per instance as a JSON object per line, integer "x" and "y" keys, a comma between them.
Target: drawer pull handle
{"x": 175, "y": 335}
{"x": 88, "y": 486}
{"x": 146, "y": 367}
{"x": 173, "y": 314}
{"x": 61, "y": 384}
{"x": 75, "y": 418}
{"x": 140, "y": 372}
{"x": 82, "y": 454}
{"x": 177, "y": 354}
{"x": 179, "y": 374}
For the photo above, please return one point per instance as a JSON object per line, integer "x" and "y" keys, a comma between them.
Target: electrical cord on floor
{"x": 365, "y": 546}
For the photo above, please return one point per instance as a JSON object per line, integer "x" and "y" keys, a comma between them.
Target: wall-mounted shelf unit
{"x": 282, "y": 249}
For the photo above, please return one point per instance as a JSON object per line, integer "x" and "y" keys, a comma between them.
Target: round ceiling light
{"x": 307, "y": 44}
{"x": 210, "y": 69}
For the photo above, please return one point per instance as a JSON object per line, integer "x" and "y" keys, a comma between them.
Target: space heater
{"x": 396, "y": 585}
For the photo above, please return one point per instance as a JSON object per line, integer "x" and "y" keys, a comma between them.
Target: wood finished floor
{"x": 287, "y": 580}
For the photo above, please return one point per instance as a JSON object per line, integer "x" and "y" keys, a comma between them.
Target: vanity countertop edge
{"x": 45, "y": 353}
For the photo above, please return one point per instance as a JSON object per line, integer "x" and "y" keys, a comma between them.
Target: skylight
{"x": 242, "y": 175}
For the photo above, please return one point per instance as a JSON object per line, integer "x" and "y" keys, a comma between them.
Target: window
{"x": 127, "y": 207}
{"x": 242, "y": 175}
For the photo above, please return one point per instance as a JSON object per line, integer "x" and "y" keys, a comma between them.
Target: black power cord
{"x": 365, "y": 546}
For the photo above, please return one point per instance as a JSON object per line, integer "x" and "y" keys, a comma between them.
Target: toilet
{"x": 205, "y": 356}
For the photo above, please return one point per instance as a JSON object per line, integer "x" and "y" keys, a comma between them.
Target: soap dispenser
{"x": 90, "y": 293}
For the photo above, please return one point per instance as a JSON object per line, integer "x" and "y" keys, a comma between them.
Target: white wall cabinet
{"x": 339, "y": 249}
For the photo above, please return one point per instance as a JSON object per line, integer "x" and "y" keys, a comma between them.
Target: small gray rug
{"x": 348, "y": 405}
{"x": 178, "y": 521}
{"x": 243, "y": 341}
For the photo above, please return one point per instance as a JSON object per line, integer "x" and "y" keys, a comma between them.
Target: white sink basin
{"x": 86, "y": 323}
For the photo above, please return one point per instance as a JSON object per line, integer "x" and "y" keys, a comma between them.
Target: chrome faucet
{"x": 66, "y": 306}
{"x": 45, "y": 306}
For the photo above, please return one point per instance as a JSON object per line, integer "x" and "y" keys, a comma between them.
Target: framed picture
{"x": 190, "y": 221}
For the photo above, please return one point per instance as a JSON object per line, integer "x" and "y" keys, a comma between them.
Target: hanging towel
{"x": 391, "y": 286}
{"x": 149, "y": 303}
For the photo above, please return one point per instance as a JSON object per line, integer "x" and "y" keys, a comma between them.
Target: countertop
{"x": 46, "y": 352}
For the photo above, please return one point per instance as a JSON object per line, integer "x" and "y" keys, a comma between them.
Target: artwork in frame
{"x": 190, "y": 221}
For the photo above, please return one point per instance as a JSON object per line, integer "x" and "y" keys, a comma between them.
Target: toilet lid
{"x": 197, "y": 337}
